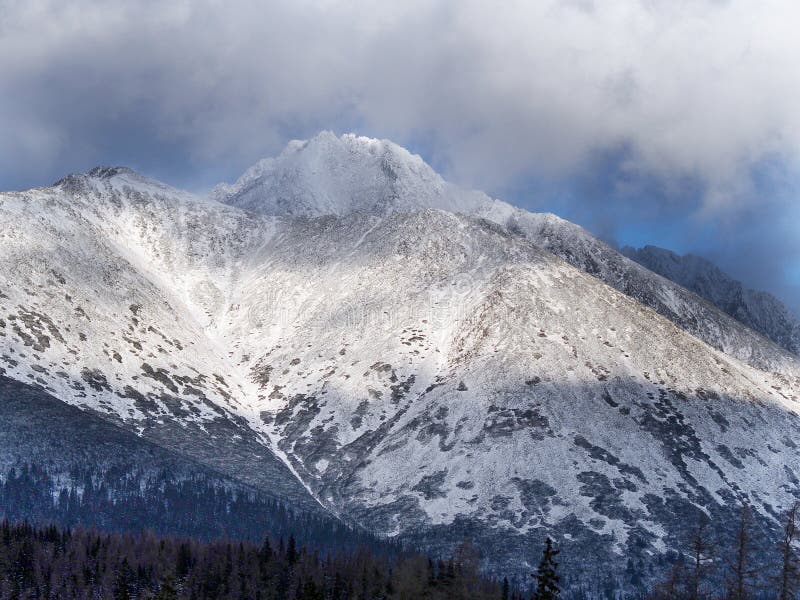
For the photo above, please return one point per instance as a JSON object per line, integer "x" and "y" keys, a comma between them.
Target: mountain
{"x": 343, "y": 329}
{"x": 91, "y": 319}
{"x": 760, "y": 311}
{"x": 331, "y": 175}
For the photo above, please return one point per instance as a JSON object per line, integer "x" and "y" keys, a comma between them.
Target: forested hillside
{"x": 127, "y": 500}
{"x": 60, "y": 465}
{"x": 54, "y": 563}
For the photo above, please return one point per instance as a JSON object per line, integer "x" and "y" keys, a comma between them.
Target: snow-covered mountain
{"x": 331, "y": 175}
{"x": 346, "y": 328}
{"x": 760, "y": 311}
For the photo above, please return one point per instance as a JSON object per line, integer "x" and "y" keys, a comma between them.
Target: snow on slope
{"x": 108, "y": 283}
{"x": 760, "y": 311}
{"x": 683, "y": 307}
{"x": 331, "y": 175}
{"x": 436, "y": 371}
{"x": 429, "y": 374}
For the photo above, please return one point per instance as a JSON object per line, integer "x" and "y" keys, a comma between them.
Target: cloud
{"x": 682, "y": 95}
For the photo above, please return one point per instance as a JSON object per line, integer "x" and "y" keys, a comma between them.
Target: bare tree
{"x": 468, "y": 563}
{"x": 673, "y": 587}
{"x": 742, "y": 572}
{"x": 789, "y": 576}
{"x": 701, "y": 559}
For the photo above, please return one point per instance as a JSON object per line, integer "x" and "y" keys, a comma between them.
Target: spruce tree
{"x": 547, "y": 579}
{"x": 291, "y": 551}
{"x": 184, "y": 560}
{"x": 167, "y": 591}
{"x": 265, "y": 552}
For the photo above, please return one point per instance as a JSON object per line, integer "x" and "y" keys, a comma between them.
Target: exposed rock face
{"x": 428, "y": 372}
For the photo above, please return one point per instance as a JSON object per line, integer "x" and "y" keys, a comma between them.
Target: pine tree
{"x": 467, "y": 561}
{"x": 547, "y": 579}
{"x": 265, "y": 553}
{"x": 122, "y": 581}
{"x": 291, "y": 551}
{"x": 506, "y": 591}
{"x": 674, "y": 586}
{"x": 167, "y": 591}
{"x": 184, "y": 560}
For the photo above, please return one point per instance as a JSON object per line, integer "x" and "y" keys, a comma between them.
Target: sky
{"x": 669, "y": 122}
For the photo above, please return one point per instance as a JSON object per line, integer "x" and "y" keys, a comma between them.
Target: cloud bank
{"x": 650, "y": 109}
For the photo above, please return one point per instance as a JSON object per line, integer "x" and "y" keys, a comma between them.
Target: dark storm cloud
{"x": 616, "y": 110}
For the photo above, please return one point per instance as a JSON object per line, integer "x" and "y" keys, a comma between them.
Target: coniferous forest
{"x": 116, "y": 535}
{"x": 123, "y": 533}
{"x": 195, "y": 505}
{"x": 60, "y": 563}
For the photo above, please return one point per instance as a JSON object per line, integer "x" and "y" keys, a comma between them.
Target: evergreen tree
{"x": 167, "y": 591}
{"x": 674, "y": 586}
{"x": 506, "y": 591}
{"x": 184, "y": 560}
{"x": 265, "y": 553}
{"x": 547, "y": 579}
{"x": 122, "y": 582}
{"x": 291, "y": 551}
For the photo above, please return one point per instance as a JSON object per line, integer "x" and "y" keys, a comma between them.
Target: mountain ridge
{"x": 428, "y": 374}
{"x": 355, "y": 169}
{"x": 761, "y": 311}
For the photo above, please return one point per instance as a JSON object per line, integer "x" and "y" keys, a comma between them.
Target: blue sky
{"x": 647, "y": 121}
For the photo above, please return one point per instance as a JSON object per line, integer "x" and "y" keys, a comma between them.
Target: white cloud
{"x": 702, "y": 89}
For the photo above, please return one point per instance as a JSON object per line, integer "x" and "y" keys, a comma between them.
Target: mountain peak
{"x": 337, "y": 175}
{"x": 119, "y": 178}
{"x": 328, "y": 143}
{"x": 101, "y": 173}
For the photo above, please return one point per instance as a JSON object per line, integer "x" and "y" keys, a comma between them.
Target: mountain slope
{"x": 427, "y": 374}
{"x": 84, "y": 315}
{"x": 454, "y": 376}
{"x": 59, "y": 464}
{"x": 331, "y": 175}
{"x": 760, "y": 311}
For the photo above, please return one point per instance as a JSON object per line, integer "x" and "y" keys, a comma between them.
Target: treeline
{"x": 194, "y": 505}
{"x": 735, "y": 560}
{"x": 82, "y": 564}
{"x": 743, "y": 569}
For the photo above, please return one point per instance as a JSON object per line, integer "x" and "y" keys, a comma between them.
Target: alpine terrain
{"x": 760, "y": 311}
{"x": 344, "y": 330}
